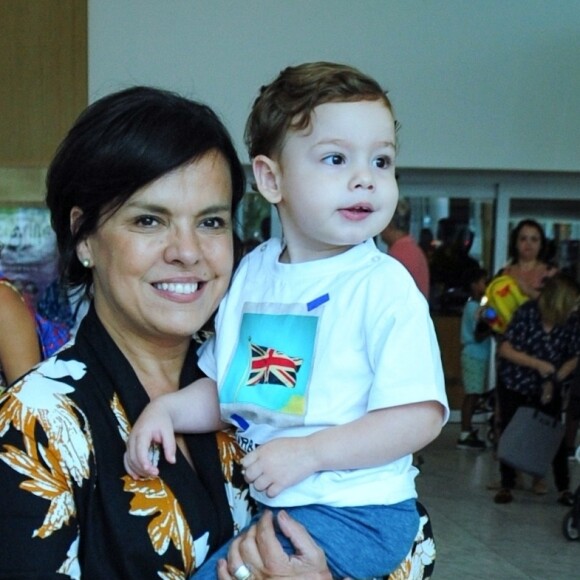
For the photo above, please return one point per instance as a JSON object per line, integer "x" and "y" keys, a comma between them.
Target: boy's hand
{"x": 278, "y": 464}
{"x": 154, "y": 427}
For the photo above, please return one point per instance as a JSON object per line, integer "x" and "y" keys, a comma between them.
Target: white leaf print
{"x": 45, "y": 400}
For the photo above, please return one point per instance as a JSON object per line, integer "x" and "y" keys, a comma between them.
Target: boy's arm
{"x": 193, "y": 409}
{"x": 378, "y": 438}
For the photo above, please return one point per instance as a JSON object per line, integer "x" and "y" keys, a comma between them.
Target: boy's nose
{"x": 363, "y": 179}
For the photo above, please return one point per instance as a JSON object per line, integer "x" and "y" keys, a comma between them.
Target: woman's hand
{"x": 259, "y": 550}
{"x": 545, "y": 368}
{"x": 547, "y": 392}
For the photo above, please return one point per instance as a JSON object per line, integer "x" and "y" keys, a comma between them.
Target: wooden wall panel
{"x": 43, "y": 80}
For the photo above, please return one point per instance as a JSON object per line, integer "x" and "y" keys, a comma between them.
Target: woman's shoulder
{"x": 526, "y": 311}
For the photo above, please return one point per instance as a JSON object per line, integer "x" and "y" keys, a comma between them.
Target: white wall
{"x": 477, "y": 84}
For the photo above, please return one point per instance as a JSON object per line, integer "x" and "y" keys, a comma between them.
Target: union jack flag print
{"x": 271, "y": 367}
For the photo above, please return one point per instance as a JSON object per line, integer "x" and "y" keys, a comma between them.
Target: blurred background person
{"x": 537, "y": 354}
{"x": 528, "y": 257}
{"x": 403, "y": 247}
{"x": 427, "y": 242}
{"x": 476, "y": 349}
{"x": 19, "y": 345}
{"x": 63, "y": 305}
{"x": 448, "y": 266}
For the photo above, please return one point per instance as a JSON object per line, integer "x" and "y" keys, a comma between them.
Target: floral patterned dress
{"x": 69, "y": 510}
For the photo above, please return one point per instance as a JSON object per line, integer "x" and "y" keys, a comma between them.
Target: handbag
{"x": 530, "y": 441}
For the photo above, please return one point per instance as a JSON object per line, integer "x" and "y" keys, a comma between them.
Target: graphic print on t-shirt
{"x": 272, "y": 363}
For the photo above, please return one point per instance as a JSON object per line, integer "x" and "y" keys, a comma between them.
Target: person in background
{"x": 404, "y": 248}
{"x": 573, "y": 415}
{"x": 475, "y": 353}
{"x": 20, "y": 349}
{"x": 527, "y": 264}
{"x": 59, "y": 304}
{"x": 448, "y": 265}
{"x": 328, "y": 406}
{"x": 426, "y": 242}
{"x": 537, "y": 354}
{"x": 141, "y": 194}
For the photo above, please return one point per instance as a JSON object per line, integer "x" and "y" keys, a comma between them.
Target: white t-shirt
{"x": 301, "y": 347}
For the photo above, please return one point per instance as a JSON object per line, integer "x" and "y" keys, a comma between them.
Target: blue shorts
{"x": 474, "y": 374}
{"x": 359, "y": 542}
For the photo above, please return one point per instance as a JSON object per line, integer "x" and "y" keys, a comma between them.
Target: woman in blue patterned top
{"x": 538, "y": 353}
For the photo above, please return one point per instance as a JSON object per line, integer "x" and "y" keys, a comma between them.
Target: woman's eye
{"x": 146, "y": 221}
{"x": 213, "y": 223}
{"x": 334, "y": 159}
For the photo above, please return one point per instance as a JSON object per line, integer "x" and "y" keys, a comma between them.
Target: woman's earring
{"x": 86, "y": 263}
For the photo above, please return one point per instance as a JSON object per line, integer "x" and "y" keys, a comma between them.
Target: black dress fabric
{"x": 68, "y": 508}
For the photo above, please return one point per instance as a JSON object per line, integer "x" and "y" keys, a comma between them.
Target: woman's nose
{"x": 183, "y": 247}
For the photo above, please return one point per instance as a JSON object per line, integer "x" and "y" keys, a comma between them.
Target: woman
{"x": 529, "y": 267}
{"x": 141, "y": 194}
{"x": 528, "y": 263}
{"x": 538, "y": 353}
{"x": 19, "y": 346}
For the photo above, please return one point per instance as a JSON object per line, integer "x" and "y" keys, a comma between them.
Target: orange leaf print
{"x": 153, "y": 498}
{"x": 50, "y": 485}
{"x": 230, "y": 452}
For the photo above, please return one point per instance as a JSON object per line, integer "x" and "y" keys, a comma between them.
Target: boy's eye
{"x": 333, "y": 159}
{"x": 383, "y": 162}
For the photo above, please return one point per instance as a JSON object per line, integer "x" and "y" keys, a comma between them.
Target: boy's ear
{"x": 267, "y": 176}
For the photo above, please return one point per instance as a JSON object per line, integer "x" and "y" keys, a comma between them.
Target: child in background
{"x": 325, "y": 355}
{"x": 476, "y": 342}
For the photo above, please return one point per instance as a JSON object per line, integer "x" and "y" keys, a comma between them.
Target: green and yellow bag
{"x": 504, "y": 297}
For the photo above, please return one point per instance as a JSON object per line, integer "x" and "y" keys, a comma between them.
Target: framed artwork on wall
{"x": 28, "y": 255}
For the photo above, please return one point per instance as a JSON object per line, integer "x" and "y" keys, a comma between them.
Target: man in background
{"x": 404, "y": 248}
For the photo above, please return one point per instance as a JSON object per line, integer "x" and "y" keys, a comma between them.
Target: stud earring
{"x": 86, "y": 263}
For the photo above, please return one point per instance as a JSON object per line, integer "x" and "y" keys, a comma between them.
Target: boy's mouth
{"x": 357, "y": 211}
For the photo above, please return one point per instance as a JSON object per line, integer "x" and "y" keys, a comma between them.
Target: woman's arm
{"x": 378, "y": 438}
{"x": 507, "y": 351}
{"x": 19, "y": 344}
{"x": 566, "y": 369}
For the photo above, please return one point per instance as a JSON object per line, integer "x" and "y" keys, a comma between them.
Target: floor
{"x": 478, "y": 539}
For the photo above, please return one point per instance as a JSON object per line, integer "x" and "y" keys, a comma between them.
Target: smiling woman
{"x": 141, "y": 194}
{"x": 163, "y": 260}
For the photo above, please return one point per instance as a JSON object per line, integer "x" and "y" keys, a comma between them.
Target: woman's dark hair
{"x": 513, "y": 245}
{"x": 119, "y": 144}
